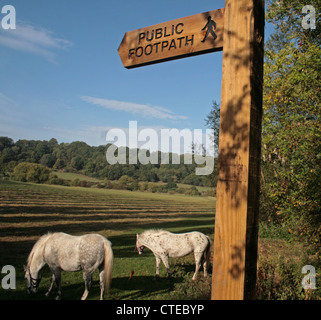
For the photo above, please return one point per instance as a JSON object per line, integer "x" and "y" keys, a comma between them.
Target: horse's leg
{"x": 158, "y": 261}
{"x": 51, "y": 285}
{"x": 205, "y": 266}
{"x": 166, "y": 264}
{"x": 57, "y": 275}
{"x": 101, "y": 281}
{"x": 198, "y": 258}
{"x": 88, "y": 280}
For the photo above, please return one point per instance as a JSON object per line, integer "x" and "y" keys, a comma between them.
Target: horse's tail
{"x": 207, "y": 253}
{"x": 108, "y": 264}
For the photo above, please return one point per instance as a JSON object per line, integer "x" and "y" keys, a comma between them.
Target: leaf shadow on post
{"x": 240, "y": 143}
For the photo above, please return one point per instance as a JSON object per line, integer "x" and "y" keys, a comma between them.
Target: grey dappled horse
{"x": 166, "y": 245}
{"x": 61, "y": 251}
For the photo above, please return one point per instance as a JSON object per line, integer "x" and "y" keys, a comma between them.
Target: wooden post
{"x": 237, "y": 205}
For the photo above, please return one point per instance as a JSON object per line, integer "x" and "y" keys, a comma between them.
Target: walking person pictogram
{"x": 210, "y": 25}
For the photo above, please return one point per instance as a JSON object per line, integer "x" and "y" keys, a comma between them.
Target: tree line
{"x": 79, "y": 157}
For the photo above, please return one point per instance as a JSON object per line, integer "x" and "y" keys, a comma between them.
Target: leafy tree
{"x": 7, "y": 155}
{"x": 193, "y": 179}
{"x": 212, "y": 121}
{"x": 77, "y": 163}
{"x": 5, "y": 142}
{"x": 59, "y": 164}
{"x": 171, "y": 185}
{"x": 128, "y": 183}
{"x": 48, "y": 160}
{"x": 292, "y": 120}
{"x": 192, "y": 191}
{"x": 31, "y": 172}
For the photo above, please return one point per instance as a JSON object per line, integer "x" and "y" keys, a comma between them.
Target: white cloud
{"x": 33, "y": 39}
{"x": 134, "y": 108}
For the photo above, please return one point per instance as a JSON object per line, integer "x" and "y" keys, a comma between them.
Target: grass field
{"x": 28, "y": 211}
{"x": 72, "y": 176}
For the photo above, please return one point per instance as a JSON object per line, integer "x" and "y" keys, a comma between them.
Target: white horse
{"x": 61, "y": 251}
{"x": 165, "y": 244}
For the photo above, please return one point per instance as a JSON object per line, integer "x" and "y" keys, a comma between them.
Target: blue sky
{"x": 61, "y": 75}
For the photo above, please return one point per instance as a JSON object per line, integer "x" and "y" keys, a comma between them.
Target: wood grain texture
{"x": 173, "y": 39}
{"x": 237, "y": 205}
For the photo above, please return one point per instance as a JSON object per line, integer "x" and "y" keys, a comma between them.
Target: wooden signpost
{"x": 185, "y": 37}
{"x": 239, "y": 30}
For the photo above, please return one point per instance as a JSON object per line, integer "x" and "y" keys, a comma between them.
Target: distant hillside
{"x": 78, "y": 157}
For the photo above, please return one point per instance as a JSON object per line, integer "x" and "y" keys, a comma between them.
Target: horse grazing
{"x": 165, "y": 244}
{"x": 61, "y": 251}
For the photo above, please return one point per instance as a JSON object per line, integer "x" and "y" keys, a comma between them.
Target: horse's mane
{"x": 41, "y": 241}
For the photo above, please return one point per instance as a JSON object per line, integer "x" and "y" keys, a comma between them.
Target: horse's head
{"x": 139, "y": 246}
{"x": 32, "y": 283}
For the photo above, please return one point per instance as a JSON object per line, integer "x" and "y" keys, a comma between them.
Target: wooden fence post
{"x": 237, "y": 206}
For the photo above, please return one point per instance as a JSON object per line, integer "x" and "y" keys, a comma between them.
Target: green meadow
{"x": 28, "y": 211}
